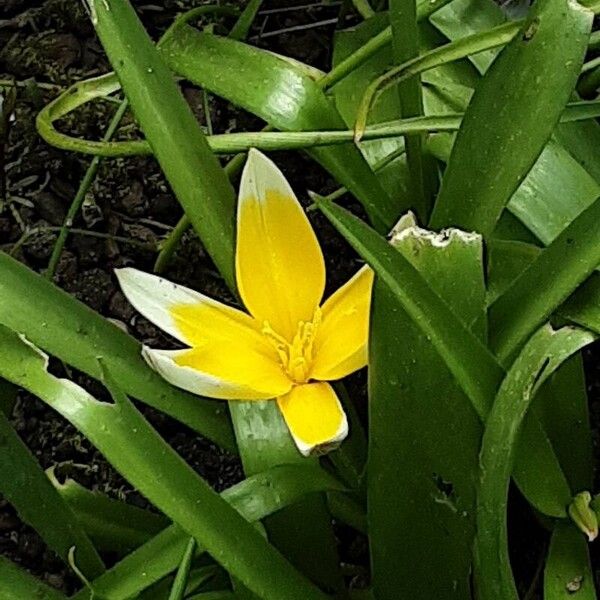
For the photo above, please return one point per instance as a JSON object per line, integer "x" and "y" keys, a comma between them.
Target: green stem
{"x": 363, "y": 8}
{"x": 84, "y": 186}
{"x": 360, "y": 56}
{"x": 472, "y": 44}
{"x": 405, "y": 46}
{"x": 266, "y": 140}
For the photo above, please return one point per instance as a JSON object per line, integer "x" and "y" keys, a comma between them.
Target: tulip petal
{"x": 187, "y": 315}
{"x": 314, "y": 416}
{"x": 341, "y": 342}
{"x": 279, "y": 264}
{"x": 217, "y": 371}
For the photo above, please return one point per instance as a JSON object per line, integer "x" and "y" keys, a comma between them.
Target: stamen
{"x": 296, "y": 357}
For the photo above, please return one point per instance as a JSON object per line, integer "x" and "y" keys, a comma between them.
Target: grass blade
{"x": 129, "y": 443}
{"x": 113, "y": 525}
{"x": 77, "y": 335}
{"x": 568, "y": 570}
{"x": 542, "y": 355}
{"x": 25, "y": 485}
{"x": 171, "y": 129}
{"x": 17, "y": 584}
{"x": 283, "y": 95}
{"x": 546, "y": 283}
{"x": 512, "y": 115}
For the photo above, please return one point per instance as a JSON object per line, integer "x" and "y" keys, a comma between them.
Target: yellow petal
{"x": 218, "y": 370}
{"x": 314, "y": 416}
{"x": 341, "y": 342}
{"x": 187, "y": 315}
{"x": 279, "y": 264}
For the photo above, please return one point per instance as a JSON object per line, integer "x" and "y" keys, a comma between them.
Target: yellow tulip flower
{"x": 289, "y": 345}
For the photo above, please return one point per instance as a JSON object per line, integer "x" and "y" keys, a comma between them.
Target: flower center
{"x": 296, "y": 357}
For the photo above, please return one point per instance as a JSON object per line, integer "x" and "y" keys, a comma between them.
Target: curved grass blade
{"x": 512, "y": 115}
{"x": 283, "y": 95}
{"x": 25, "y": 485}
{"x": 254, "y": 498}
{"x": 171, "y": 129}
{"x": 113, "y": 525}
{"x": 545, "y": 284}
{"x": 18, "y": 584}
{"x": 541, "y": 356}
{"x": 129, "y": 443}
{"x": 77, "y": 335}
{"x": 568, "y": 571}
{"x": 473, "y": 366}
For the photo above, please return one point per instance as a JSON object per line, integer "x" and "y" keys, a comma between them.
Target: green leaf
{"x": 170, "y": 127}
{"x": 18, "y": 584}
{"x": 254, "y": 498}
{"x": 461, "y": 18}
{"x": 562, "y": 404}
{"x": 129, "y": 443}
{"x": 113, "y": 525}
{"x": 512, "y": 115}
{"x": 545, "y": 284}
{"x": 468, "y": 359}
{"x": 181, "y": 578}
{"x": 25, "y": 485}
{"x": 435, "y": 430}
{"x": 77, "y": 335}
{"x": 568, "y": 573}
{"x": 282, "y": 94}
{"x": 541, "y": 356}
{"x": 555, "y": 191}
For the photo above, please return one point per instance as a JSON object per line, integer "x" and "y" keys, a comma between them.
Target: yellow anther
{"x": 296, "y": 357}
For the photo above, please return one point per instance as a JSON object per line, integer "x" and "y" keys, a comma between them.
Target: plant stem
{"x": 84, "y": 186}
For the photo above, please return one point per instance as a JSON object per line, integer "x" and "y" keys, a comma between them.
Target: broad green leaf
{"x": 555, "y": 191}
{"x": 113, "y": 525}
{"x": 130, "y": 444}
{"x": 422, "y": 470}
{"x": 549, "y": 280}
{"x": 25, "y": 485}
{"x": 583, "y": 307}
{"x": 541, "y": 356}
{"x": 18, "y": 584}
{"x": 467, "y": 357}
{"x": 512, "y": 115}
{"x": 475, "y": 369}
{"x": 283, "y": 95}
{"x": 174, "y": 134}
{"x": 255, "y": 498}
{"x": 568, "y": 572}
{"x": 77, "y": 335}
{"x": 461, "y": 18}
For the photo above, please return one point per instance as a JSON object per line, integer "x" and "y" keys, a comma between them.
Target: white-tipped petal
{"x": 315, "y": 417}
{"x": 187, "y": 315}
{"x": 219, "y": 372}
{"x": 279, "y": 264}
